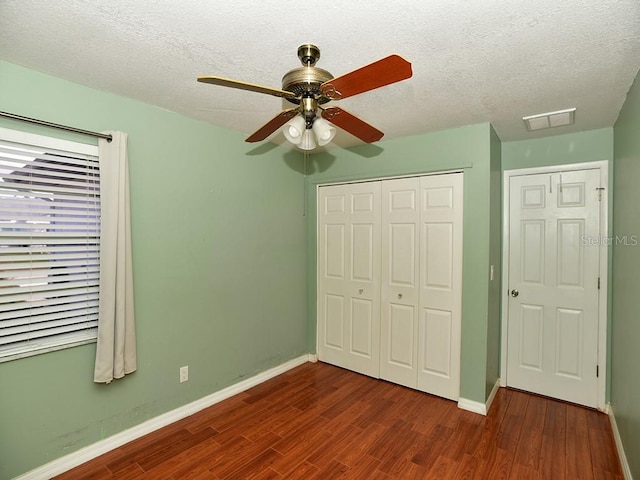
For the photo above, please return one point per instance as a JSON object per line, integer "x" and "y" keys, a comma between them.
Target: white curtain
{"x": 116, "y": 348}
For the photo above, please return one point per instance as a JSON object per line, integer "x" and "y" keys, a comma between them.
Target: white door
{"x": 440, "y": 328}
{"x": 422, "y": 283}
{"x": 349, "y": 276}
{"x": 390, "y": 280}
{"x": 400, "y": 270}
{"x": 553, "y": 284}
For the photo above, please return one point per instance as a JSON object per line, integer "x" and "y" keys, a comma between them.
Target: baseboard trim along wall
{"x": 63, "y": 464}
{"x": 478, "y": 407}
{"x": 626, "y": 470}
{"x": 493, "y": 393}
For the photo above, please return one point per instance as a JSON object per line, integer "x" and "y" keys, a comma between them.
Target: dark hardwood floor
{"x": 321, "y": 422}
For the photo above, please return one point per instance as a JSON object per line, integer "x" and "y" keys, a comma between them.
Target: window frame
{"x": 81, "y": 336}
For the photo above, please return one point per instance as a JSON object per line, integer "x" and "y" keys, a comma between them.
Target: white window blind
{"x": 49, "y": 244}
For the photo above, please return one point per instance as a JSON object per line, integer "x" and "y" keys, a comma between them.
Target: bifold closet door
{"x": 349, "y": 276}
{"x": 440, "y": 317}
{"x": 422, "y": 283}
{"x": 390, "y": 280}
{"x": 400, "y": 269}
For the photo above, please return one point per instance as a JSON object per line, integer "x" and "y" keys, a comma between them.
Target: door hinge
{"x": 597, "y": 371}
{"x": 598, "y": 283}
{"x": 600, "y": 189}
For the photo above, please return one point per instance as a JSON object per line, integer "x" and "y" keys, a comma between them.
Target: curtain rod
{"x": 56, "y": 125}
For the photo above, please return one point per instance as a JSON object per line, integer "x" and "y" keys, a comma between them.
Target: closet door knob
{"x": 399, "y": 295}
{"x": 361, "y": 291}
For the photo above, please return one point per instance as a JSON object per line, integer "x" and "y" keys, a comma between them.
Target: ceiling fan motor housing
{"x": 305, "y": 81}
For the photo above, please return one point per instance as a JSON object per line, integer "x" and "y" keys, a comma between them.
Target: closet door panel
{"x": 400, "y": 262}
{"x": 440, "y": 285}
{"x": 332, "y": 268}
{"x": 349, "y": 276}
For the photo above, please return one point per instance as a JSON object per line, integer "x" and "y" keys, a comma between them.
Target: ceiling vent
{"x": 550, "y": 119}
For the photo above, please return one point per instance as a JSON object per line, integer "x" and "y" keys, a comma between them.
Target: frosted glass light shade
{"x": 294, "y": 129}
{"x": 323, "y": 131}
{"x": 308, "y": 142}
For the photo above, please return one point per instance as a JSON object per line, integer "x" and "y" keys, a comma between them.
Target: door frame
{"x": 603, "y": 166}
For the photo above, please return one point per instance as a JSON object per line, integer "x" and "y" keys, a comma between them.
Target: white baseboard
{"x": 313, "y": 357}
{"x": 626, "y": 470}
{"x": 478, "y": 407}
{"x": 63, "y": 464}
{"x": 472, "y": 406}
{"x": 493, "y": 393}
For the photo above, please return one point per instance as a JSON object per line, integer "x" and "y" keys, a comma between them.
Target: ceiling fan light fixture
{"x": 323, "y": 131}
{"x": 295, "y": 129}
{"x": 309, "y": 87}
{"x": 308, "y": 142}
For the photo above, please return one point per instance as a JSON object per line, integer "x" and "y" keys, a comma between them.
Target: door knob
{"x": 515, "y": 293}
{"x": 399, "y": 295}
{"x": 361, "y": 291}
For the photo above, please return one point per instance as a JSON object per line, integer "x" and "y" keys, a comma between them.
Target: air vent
{"x": 550, "y": 119}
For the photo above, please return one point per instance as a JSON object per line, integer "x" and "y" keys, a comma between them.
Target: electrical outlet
{"x": 184, "y": 374}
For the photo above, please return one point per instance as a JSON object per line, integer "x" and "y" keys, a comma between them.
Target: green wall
{"x": 588, "y": 146}
{"x": 495, "y": 259}
{"x": 466, "y": 147}
{"x": 219, "y": 254}
{"x": 625, "y": 387}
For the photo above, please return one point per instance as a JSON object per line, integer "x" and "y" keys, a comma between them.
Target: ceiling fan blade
{"x": 226, "y": 82}
{"x": 272, "y": 125}
{"x": 389, "y": 70}
{"x": 352, "y": 124}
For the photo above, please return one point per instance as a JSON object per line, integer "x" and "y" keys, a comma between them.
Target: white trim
{"x": 493, "y": 393}
{"x": 472, "y": 406}
{"x": 626, "y": 470}
{"x": 18, "y": 136}
{"x": 478, "y": 407}
{"x": 390, "y": 177}
{"x": 22, "y": 353}
{"x": 603, "y": 166}
{"x": 63, "y": 464}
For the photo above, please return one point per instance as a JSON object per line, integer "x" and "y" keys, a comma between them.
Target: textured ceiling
{"x": 473, "y": 61}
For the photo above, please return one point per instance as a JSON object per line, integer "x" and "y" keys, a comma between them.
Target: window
{"x": 49, "y": 244}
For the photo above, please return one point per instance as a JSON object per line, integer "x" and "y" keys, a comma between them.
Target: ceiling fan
{"x": 310, "y": 88}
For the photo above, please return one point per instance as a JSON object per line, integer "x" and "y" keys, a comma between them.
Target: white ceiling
{"x": 473, "y": 60}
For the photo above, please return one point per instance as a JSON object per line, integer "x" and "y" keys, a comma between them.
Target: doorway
{"x": 554, "y": 320}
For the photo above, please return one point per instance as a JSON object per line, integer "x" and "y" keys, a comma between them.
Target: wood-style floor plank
{"x": 530, "y": 444}
{"x": 322, "y": 422}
